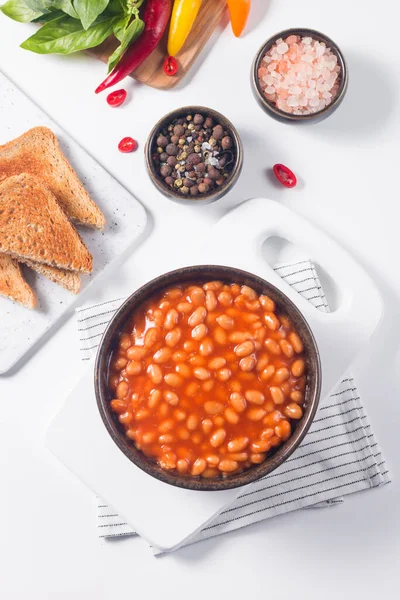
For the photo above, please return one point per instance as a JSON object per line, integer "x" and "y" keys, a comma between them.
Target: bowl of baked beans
{"x": 208, "y": 378}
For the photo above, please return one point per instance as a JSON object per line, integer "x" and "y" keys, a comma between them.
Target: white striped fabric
{"x": 339, "y": 455}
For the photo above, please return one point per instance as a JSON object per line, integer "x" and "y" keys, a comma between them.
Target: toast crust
{"x": 12, "y": 283}
{"x": 33, "y": 226}
{"x": 69, "y": 280}
{"x": 37, "y": 152}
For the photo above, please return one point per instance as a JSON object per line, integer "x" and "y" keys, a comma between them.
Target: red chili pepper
{"x": 156, "y": 17}
{"x": 127, "y": 144}
{"x": 116, "y": 98}
{"x": 170, "y": 66}
{"x": 285, "y": 176}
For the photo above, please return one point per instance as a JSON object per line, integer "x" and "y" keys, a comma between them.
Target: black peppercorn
{"x": 193, "y": 159}
{"x": 198, "y": 119}
{"x": 169, "y": 180}
{"x": 226, "y": 142}
{"x": 162, "y": 141}
{"x": 218, "y": 132}
{"x": 174, "y": 139}
{"x": 179, "y": 130}
{"x": 188, "y": 182}
{"x": 194, "y": 190}
{"x": 208, "y": 123}
{"x": 172, "y": 149}
{"x": 171, "y": 161}
{"x": 204, "y": 188}
{"x": 166, "y": 170}
{"x": 163, "y": 157}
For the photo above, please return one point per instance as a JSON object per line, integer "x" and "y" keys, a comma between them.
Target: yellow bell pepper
{"x": 183, "y": 16}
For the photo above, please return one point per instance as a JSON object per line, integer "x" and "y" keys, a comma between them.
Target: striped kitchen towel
{"x": 338, "y": 456}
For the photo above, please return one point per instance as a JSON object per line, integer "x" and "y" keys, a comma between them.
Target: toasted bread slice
{"x": 37, "y": 152}
{"x": 33, "y": 226}
{"x": 12, "y": 283}
{"x": 69, "y": 280}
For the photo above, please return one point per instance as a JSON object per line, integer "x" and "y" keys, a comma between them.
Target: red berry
{"x": 116, "y": 98}
{"x": 127, "y": 144}
{"x": 285, "y": 176}
{"x": 170, "y": 66}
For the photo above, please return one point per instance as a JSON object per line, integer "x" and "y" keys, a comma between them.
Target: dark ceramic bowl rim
{"x": 110, "y": 336}
{"x": 213, "y": 194}
{"x": 302, "y": 31}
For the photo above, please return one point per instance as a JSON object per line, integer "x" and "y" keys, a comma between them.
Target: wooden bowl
{"x": 203, "y": 274}
{"x": 281, "y": 115}
{"x": 212, "y": 195}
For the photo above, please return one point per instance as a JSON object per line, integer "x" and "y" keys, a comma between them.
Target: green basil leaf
{"x": 20, "y": 11}
{"x": 131, "y": 33}
{"x": 67, "y": 7}
{"x": 120, "y": 26}
{"x": 89, "y": 10}
{"x": 42, "y": 6}
{"x": 66, "y": 35}
{"x": 50, "y": 16}
{"x": 117, "y": 7}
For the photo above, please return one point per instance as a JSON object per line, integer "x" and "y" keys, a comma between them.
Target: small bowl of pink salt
{"x": 300, "y": 75}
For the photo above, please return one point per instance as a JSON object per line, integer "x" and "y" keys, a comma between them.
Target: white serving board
{"x": 162, "y": 514}
{"x": 20, "y": 328}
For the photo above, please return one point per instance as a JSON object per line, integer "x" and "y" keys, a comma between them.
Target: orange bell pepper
{"x": 239, "y": 11}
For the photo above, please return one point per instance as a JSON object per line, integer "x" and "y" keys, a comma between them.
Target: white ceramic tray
{"x": 164, "y": 515}
{"x": 20, "y": 328}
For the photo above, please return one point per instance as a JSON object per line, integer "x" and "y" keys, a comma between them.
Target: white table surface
{"x": 348, "y": 172}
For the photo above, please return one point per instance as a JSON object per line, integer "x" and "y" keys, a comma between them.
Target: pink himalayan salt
{"x": 299, "y": 75}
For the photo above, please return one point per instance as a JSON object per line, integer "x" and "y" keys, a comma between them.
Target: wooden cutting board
{"x": 151, "y": 71}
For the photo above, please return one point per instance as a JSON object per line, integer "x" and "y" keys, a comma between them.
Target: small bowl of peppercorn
{"x": 194, "y": 154}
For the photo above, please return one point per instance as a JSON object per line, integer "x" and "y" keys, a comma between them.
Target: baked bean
{"x": 190, "y": 346}
{"x": 162, "y": 355}
{"x": 282, "y": 430}
{"x": 231, "y": 416}
{"x": 277, "y": 394}
{"x": 201, "y": 373}
{"x": 287, "y": 348}
{"x": 212, "y": 407}
{"x": 267, "y": 303}
{"x": 192, "y": 422}
{"x": 191, "y": 389}
{"x": 171, "y": 319}
{"x": 211, "y": 301}
{"x": 155, "y": 373}
{"x": 296, "y": 396}
{"x": 267, "y": 373}
{"x": 217, "y": 363}
{"x": 122, "y": 390}
{"x": 173, "y": 380}
{"x": 238, "y": 444}
{"x": 182, "y": 466}
{"x": 197, "y": 316}
{"x": 254, "y": 397}
{"x": 248, "y": 363}
{"x": 225, "y": 322}
{"x": 262, "y": 362}
{"x": 227, "y": 465}
{"x": 208, "y": 385}
{"x": 255, "y": 414}
{"x": 225, "y": 299}
{"x": 218, "y": 438}
{"x": 271, "y": 321}
{"x": 152, "y": 336}
{"x": 213, "y": 286}
{"x": 118, "y": 406}
{"x": 197, "y": 295}
{"x": 223, "y": 374}
{"x": 272, "y": 346}
{"x": 141, "y": 414}
{"x": 189, "y": 377}
{"x": 296, "y": 342}
{"x": 248, "y": 292}
{"x": 185, "y": 307}
{"x": 245, "y": 348}
{"x": 260, "y": 446}
{"x": 298, "y": 368}
{"x": 210, "y": 473}
{"x": 238, "y": 402}
{"x": 154, "y": 398}
{"x": 257, "y": 459}
{"x": 207, "y": 426}
{"x": 293, "y": 411}
{"x": 171, "y": 398}
{"x": 220, "y": 336}
{"x": 125, "y": 341}
{"x": 120, "y": 363}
